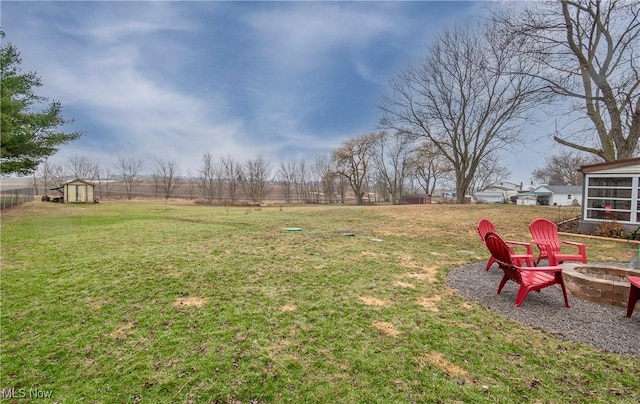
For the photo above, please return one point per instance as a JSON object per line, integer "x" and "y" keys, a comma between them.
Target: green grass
{"x": 131, "y": 301}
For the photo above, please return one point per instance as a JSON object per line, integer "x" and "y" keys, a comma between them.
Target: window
{"x": 613, "y": 197}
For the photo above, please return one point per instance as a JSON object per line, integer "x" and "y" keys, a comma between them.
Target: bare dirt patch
{"x": 441, "y": 362}
{"x": 386, "y": 328}
{"x": 404, "y": 285}
{"x": 430, "y": 303}
{"x": 373, "y": 301}
{"x": 96, "y": 304}
{"x": 288, "y": 307}
{"x": 190, "y": 301}
{"x": 428, "y": 273}
{"x": 122, "y": 330}
{"x": 423, "y": 276}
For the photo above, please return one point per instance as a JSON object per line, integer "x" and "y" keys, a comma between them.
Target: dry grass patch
{"x": 429, "y": 273}
{"x": 96, "y": 304}
{"x": 373, "y": 301}
{"x": 190, "y": 301}
{"x": 430, "y": 303}
{"x": 438, "y": 360}
{"x": 122, "y": 330}
{"x": 424, "y": 276}
{"x": 404, "y": 285}
{"x": 288, "y": 307}
{"x": 386, "y": 328}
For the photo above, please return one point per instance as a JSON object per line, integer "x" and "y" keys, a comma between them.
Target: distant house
{"x": 558, "y": 195}
{"x": 416, "y": 199}
{"x": 498, "y": 192}
{"x": 527, "y": 198}
{"x": 612, "y": 192}
{"x": 488, "y": 197}
{"x": 78, "y": 191}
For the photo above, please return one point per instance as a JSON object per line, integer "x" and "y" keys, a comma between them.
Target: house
{"x": 611, "y": 192}
{"x": 488, "y": 197}
{"x": 78, "y": 191}
{"x": 416, "y": 199}
{"x": 498, "y": 192}
{"x": 527, "y": 198}
{"x": 558, "y": 195}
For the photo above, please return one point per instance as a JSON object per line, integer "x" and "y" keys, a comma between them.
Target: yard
{"x": 147, "y": 302}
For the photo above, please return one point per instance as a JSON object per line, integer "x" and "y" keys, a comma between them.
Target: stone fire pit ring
{"x": 603, "y": 283}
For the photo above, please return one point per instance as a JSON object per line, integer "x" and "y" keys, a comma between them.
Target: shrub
{"x": 610, "y": 229}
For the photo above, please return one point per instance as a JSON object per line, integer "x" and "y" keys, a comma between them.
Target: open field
{"x": 144, "y": 302}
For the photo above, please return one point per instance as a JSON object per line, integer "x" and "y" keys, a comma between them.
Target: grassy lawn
{"x": 142, "y": 302}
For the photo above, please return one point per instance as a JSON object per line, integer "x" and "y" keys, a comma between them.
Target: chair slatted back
{"x": 501, "y": 252}
{"x": 543, "y": 230}
{"x": 484, "y": 227}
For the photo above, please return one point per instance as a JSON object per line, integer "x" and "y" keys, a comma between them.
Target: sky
{"x": 171, "y": 80}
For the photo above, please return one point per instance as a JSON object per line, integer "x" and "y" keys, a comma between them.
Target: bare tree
{"x": 287, "y": 173}
{"x": 325, "y": 180}
{"x": 82, "y": 168}
{"x": 353, "y": 161}
{"x": 211, "y": 181}
{"x": 191, "y": 184}
{"x": 256, "y": 178}
{"x": 463, "y": 99}
{"x": 302, "y": 185}
{"x": 167, "y": 172}
{"x": 587, "y": 52}
{"x": 562, "y": 168}
{"x": 51, "y": 175}
{"x": 393, "y": 162}
{"x": 232, "y": 175}
{"x": 490, "y": 171}
{"x": 104, "y": 180}
{"x": 428, "y": 166}
{"x": 129, "y": 167}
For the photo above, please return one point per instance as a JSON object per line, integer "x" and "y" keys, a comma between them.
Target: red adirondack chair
{"x": 545, "y": 236}
{"x": 529, "y": 278}
{"x": 485, "y": 226}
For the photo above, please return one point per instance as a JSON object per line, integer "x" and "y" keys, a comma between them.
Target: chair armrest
{"x": 554, "y": 268}
{"x": 521, "y": 244}
{"x": 573, "y": 243}
{"x": 582, "y": 248}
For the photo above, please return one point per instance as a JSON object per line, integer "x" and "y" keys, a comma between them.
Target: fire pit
{"x": 600, "y": 283}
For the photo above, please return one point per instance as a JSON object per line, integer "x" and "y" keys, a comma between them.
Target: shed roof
{"x": 610, "y": 165}
{"x": 78, "y": 180}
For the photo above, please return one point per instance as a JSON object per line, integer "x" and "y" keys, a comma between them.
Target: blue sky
{"x": 172, "y": 80}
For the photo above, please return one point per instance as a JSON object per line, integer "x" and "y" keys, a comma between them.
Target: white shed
{"x": 612, "y": 192}
{"x": 78, "y": 191}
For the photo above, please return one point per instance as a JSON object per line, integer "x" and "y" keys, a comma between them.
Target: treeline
{"x": 376, "y": 167}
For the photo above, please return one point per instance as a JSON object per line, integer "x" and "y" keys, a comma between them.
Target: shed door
{"x": 81, "y": 193}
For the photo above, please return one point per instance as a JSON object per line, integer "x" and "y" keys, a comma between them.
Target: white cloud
{"x": 303, "y": 35}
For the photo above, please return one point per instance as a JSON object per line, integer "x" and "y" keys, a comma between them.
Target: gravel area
{"x": 603, "y": 326}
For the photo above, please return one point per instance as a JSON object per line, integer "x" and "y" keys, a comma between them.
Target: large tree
{"x": 588, "y": 53}
{"x": 28, "y": 136}
{"x": 256, "y": 179}
{"x": 463, "y": 98}
{"x": 353, "y": 162}
{"x": 393, "y": 159}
